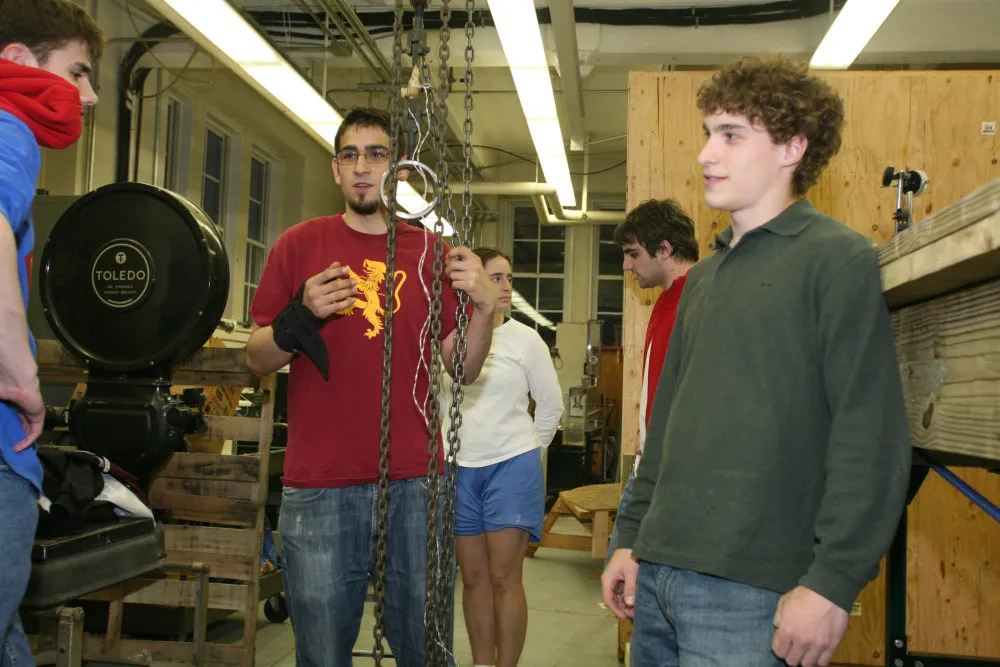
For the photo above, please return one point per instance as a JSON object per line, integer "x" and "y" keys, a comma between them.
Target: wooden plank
{"x": 185, "y": 507}
{"x": 252, "y": 596}
{"x": 130, "y": 650}
{"x": 174, "y": 593}
{"x": 202, "y": 487}
{"x": 562, "y": 541}
{"x": 980, "y": 204}
{"x": 207, "y": 539}
{"x": 213, "y": 366}
{"x": 233, "y": 428}
{"x": 238, "y": 567}
{"x": 949, "y": 353}
{"x": 599, "y": 540}
{"x": 952, "y": 569}
{"x": 643, "y": 137}
{"x": 624, "y": 637}
{"x": 583, "y": 501}
{"x": 968, "y": 256}
{"x": 192, "y": 465}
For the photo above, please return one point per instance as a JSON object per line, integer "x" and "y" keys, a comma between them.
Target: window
{"x": 213, "y": 176}
{"x": 539, "y": 271}
{"x": 256, "y": 250}
{"x": 610, "y": 287}
{"x": 171, "y": 157}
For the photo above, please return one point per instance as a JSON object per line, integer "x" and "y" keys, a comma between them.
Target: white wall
{"x": 302, "y": 184}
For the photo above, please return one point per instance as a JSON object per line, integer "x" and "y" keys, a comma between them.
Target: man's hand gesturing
{"x": 330, "y": 291}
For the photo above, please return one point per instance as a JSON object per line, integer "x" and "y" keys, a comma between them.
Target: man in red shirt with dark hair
{"x": 658, "y": 240}
{"x": 322, "y": 292}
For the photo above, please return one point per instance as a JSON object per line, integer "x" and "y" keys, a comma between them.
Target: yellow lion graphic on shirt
{"x": 368, "y": 299}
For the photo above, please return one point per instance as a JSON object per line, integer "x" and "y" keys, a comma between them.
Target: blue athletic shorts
{"x": 509, "y": 494}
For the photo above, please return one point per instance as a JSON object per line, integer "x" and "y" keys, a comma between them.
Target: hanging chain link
{"x": 463, "y": 237}
{"x": 382, "y": 521}
{"x": 436, "y": 633}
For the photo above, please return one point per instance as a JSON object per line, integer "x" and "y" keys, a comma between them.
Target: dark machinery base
{"x": 72, "y": 566}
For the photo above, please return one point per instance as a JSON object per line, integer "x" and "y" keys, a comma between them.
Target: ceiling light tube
{"x": 521, "y": 39}
{"x": 853, "y": 28}
{"x": 220, "y": 27}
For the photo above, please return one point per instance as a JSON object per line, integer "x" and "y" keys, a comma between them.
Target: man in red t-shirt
{"x": 660, "y": 248}
{"x": 322, "y": 293}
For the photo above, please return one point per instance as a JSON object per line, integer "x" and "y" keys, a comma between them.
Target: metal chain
{"x": 431, "y": 617}
{"x": 463, "y": 238}
{"x": 382, "y": 522}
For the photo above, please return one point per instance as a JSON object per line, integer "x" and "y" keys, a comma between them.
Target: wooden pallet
{"x": 214, "y": 517}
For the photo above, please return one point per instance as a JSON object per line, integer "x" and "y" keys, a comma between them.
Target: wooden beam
{"x": 193, "y": 465}
{"x": 211, "y": 366}
{"x": 949, "y": 354}
{"x": 978, "y": 205}
{"x": 962, "y": 258}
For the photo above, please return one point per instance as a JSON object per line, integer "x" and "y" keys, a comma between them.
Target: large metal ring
{"x": 429, "y": 177}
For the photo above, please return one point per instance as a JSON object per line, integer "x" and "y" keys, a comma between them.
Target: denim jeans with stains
{"x": 328, "y": 539}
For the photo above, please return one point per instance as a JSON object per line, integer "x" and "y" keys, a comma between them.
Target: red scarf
{"x": 47, "y": 103}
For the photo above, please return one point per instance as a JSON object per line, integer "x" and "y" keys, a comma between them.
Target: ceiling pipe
{"x": 516, "y": 189}
{"x": 540, "y": 194}
{"x": 564, "y": 31}
{"x": 560, "y": 216}
{"x": 375, "y": 62}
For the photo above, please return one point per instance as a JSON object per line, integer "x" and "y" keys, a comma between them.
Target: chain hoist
{"x": 382, "y": 514}
{"x": 440, "y": 520}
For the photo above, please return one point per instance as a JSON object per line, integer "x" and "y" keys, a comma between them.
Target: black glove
{"x": 296, "y": 329}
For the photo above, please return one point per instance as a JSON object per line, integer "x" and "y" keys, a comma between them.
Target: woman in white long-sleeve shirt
{"x": 500, "y": 502}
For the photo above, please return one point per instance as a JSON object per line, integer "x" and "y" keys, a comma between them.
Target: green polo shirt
{"x": 778, "y": 450}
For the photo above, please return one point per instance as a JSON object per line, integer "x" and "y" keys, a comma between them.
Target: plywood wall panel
{"x": 922, "y": 120}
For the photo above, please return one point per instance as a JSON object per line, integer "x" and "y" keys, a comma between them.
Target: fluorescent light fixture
{"x": 233, "y": 40}
{"x": 521, "y": 38}
{"x": 528, "y": 81}
{"x": 853, "y": 28}
{"x": 226, "y": 29}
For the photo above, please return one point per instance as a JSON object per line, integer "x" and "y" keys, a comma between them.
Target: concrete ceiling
{"x": 920, "y": 33}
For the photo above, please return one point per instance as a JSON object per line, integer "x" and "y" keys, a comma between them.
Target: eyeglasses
{"x": 373, "y": 155}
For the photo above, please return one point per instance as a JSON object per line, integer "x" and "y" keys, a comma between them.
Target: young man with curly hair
{"x": 778, "y": 452}
{"x": 47, "y": 50}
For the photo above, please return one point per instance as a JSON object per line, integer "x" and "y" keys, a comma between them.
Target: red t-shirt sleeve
{"x": 275, "y": 289}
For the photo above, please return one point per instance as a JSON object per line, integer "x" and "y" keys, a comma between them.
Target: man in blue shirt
{"x": 47, "y": 51}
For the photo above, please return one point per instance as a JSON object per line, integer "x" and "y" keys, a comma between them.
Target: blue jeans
{"x": 687, "y": 619}
{"x": 18, "y": 520}
{"x": 328, "y": 554}
{"x": 622, "y": 504}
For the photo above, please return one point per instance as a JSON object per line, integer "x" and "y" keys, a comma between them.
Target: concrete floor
{"x": 567, "y": 624}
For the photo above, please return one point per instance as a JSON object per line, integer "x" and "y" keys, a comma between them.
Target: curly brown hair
{"x": 788, "y": 101}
